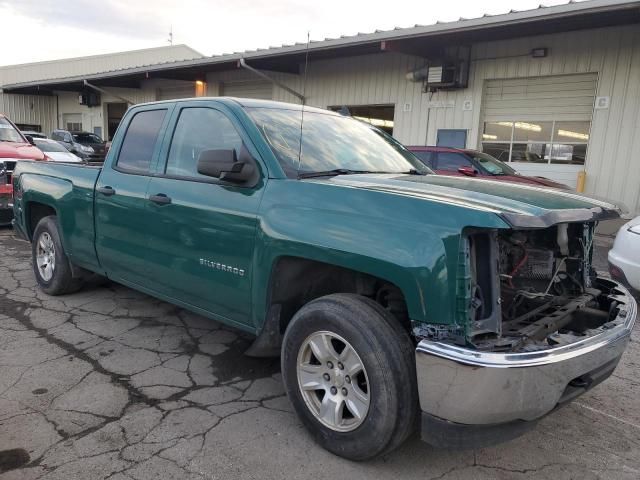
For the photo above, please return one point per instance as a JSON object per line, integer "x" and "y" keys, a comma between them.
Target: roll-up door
{"x": 248, "y": 89}
{"x": 540, "y": 124}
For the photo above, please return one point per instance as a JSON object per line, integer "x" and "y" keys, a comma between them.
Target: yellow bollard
{"x": 582, "y": 178}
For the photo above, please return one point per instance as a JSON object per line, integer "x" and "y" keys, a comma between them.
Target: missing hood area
{"x": 524, "y": 290}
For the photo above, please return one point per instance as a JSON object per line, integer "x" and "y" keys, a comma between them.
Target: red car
{"x": 13, "y": 147}
{"x": 460, "y": 162}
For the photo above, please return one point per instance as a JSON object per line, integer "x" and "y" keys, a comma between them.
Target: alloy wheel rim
{"x": 333, "y": 381}
{"x": 45, "y": 256}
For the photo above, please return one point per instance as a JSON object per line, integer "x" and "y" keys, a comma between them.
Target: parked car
{"x": 14, "y": 146}
{"x": 86, "y": 145}
{"x": 55, "y": 152}
{"x": 398, "y": 299}
{"x": 471, "y": 163}
{"x": 624, "y": 257}
{"x": 33, "y": 134}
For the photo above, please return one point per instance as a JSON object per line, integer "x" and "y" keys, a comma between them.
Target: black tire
{"x": 387, "y": 353}
{"x": 61, "y": 281}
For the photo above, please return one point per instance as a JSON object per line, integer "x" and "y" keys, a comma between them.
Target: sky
{"x": 53, "y": 29}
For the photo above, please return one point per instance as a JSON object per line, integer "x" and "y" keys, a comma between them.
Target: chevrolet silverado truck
{"x": 396, "y": 299}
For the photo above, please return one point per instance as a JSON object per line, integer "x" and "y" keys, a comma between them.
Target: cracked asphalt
{"x": 111, "y": 383}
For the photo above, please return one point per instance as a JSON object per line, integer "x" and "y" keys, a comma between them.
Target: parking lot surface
{"x": 111, "y": 383}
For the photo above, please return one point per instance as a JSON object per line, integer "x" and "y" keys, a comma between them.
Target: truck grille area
{"x": 546, "y": 292}
{"x": 10, "y": 166}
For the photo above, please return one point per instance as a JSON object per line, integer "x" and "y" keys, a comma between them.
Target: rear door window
{"x": 140, "y": 141}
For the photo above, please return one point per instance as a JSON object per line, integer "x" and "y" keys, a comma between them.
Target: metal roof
{"x": 95, "y": 64}
{"x": 413, "y": 40}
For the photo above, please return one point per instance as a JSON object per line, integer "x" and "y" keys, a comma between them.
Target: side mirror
{"x": 227, "y": 166}
{"x": 469, "y": 171}
{"x": 30, "y": 140}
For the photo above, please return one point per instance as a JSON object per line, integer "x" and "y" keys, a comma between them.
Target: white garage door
{"x": 540, "y": 124}
{"x": 72, "y": 121}
{"x": 182, "y": 90}
{"x": 249, "y": 89}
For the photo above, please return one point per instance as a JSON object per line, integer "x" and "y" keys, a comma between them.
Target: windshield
{"x": 49, "y": 145}
{"x": 86, "y": 138}
{"x": 8, "y": 133}
{"x": 331, "y": 142}
{"x": 493, "y": 165}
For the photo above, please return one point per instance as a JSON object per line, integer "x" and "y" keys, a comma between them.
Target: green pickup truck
{"x": 397, "y": 299}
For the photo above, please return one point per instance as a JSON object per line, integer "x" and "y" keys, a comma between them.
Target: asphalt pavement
{"x": 111, "y": 383}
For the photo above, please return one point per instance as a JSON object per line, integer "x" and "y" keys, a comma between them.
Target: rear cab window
{"x": 140, "y": 141}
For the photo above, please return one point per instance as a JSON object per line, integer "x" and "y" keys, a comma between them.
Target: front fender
{"x": 411, "y": 243}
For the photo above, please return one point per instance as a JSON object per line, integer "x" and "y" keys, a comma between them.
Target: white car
{"x": 55, "y": 152}
{"x": 624, "y": 257}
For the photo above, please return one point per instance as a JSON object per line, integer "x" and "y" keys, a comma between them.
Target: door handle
{"x": 160, "y": 199}
{"x": 106, "y": 190}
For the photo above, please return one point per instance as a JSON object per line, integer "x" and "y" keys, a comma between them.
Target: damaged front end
{"x": 534, "y": 328}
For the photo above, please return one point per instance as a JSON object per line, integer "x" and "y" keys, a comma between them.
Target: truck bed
{"x": 69, "y": 186}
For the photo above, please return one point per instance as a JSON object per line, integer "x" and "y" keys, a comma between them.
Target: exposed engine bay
{"x": 533, "y": 289}
{"x": 547, "y": 291}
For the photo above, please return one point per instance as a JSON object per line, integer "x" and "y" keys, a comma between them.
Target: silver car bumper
{"x": 464, "y": 386}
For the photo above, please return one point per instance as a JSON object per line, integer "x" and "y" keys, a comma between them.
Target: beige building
{"x": 44, "y": 111}
{"x": 555, "y": 91}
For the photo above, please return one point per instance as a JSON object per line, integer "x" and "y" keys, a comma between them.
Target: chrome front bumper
{"x": 468, "y": 387}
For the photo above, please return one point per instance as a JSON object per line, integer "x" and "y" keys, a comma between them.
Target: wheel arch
{"x": 295, "y": 280}
{"x": 34, "y": 211}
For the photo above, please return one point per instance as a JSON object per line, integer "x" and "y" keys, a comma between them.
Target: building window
{"x": 557, "y": 142}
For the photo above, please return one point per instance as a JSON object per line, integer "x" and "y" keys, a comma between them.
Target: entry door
{"x": 121, "y": 204}
{"x": 452, "y": 138}
{"x": 202, "y": 234}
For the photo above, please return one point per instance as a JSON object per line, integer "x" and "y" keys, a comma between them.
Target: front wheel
{"x": 50, "y": 263}
{"x": 348, "y": 368}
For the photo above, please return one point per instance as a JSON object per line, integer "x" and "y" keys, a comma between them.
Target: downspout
{"x": 57, "y": 111}
{"x": 106, "y": 92}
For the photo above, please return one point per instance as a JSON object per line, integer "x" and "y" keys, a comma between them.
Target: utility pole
{"x": 170, "y": 39}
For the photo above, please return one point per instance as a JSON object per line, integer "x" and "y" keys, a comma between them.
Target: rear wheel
{"x": 348, "y": 369}
{"x": 50, "y": 262}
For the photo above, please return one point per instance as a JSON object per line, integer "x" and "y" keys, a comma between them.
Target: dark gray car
{"x": 88, "y": 146}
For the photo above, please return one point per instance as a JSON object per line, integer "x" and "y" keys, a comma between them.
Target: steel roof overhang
{"x": 419, "y": 40}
